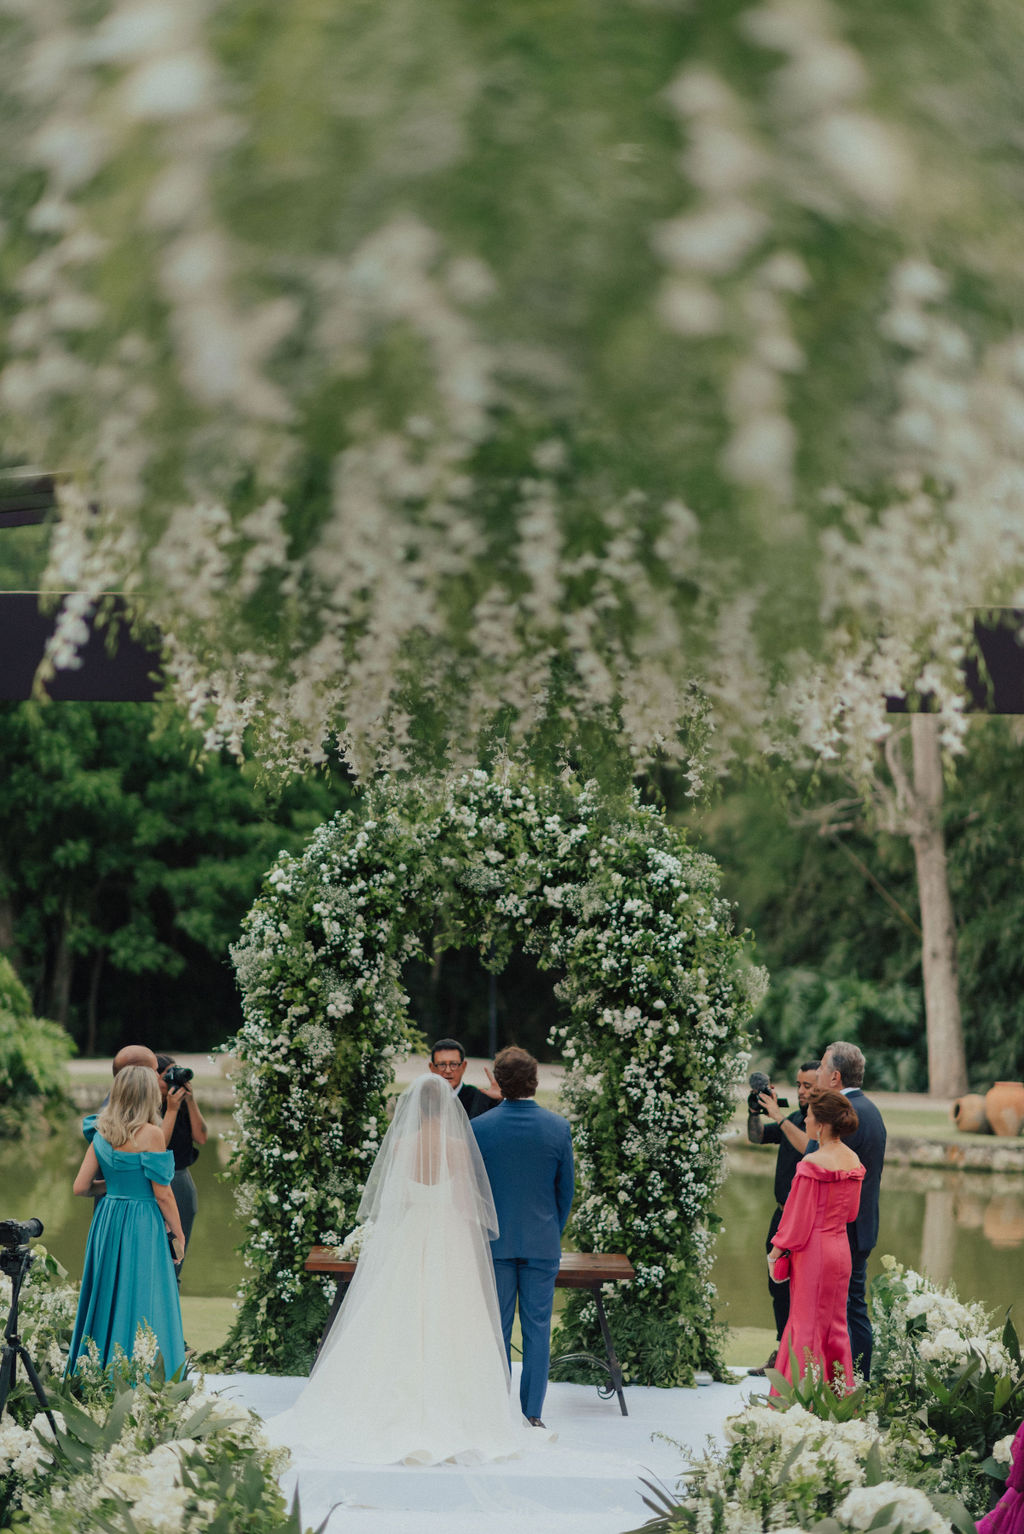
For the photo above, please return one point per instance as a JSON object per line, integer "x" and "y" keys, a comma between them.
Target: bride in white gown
{"x": 414, "y": 1368}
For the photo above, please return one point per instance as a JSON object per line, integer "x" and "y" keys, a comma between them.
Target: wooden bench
{"x": 577, "y": 1270}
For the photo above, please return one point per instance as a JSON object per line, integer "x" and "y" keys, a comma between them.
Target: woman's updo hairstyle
{"x": 834, "y": 1109}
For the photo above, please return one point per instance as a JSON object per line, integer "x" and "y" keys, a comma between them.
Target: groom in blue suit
{"x": 528, "y": 1155}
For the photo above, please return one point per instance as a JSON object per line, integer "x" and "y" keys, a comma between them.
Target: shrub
{"x": 33, "y": 1056}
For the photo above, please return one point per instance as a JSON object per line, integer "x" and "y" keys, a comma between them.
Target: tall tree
{"x": 920, "y": 797}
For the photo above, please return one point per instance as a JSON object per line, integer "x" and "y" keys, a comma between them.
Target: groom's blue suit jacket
{"x": 528, "y": 1155}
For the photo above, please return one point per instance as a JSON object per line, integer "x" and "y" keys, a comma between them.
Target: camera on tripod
{"x": 15, "y": 1235}
{"x": 17, "y": 1232}
{"x": 759, "y": 1083}
{"x": 15, "y": 1261}
{"x": 177, "y": 1076}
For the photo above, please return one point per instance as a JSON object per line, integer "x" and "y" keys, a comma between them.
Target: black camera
{"x": 19, "y": 1232}
{"x": 759, "y": 1083}
{"x": 177, "y": 1076}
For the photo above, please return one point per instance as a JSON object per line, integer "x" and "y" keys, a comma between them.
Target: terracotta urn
{"x": 1004, "y": 1107}
{"x": 968, "y": 1114}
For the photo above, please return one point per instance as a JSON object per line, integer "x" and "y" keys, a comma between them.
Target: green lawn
{"x": 931, "y": 1123}
{"x": 206, "y": 1321}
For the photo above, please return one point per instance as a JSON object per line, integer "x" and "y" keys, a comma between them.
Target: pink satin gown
{"x": 1007, "y": 1517}
{"x": 813, "y": 1228}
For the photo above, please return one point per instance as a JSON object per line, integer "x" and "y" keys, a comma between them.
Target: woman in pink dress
{"x": 823, "y": 1200}
{"x": 1007, "y": 1517}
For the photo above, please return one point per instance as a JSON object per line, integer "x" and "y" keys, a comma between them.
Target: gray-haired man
{"x": 842, "y": 1069}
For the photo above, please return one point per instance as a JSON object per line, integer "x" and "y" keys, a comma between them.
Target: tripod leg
{"x": 7, "y": 1368}
{"x": 37, "y": 1385}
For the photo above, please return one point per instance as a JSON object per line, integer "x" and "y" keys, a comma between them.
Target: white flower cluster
{"x": 21, "y": 1452}
{"x": 906, "y": 1506}
{"x": 917, "y": 1318}
{"x": 788, "y": 1469}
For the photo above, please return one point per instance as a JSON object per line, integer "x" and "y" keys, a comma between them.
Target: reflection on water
{"x": 964, "y": 1228}
{"x": 35, "y": 1182}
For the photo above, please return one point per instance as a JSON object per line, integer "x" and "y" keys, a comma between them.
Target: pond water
{"x": 967, "y": 1227}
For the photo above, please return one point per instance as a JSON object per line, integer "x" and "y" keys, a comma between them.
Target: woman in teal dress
{"x": 129, "y": 1275}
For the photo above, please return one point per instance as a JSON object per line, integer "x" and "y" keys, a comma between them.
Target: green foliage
{"x": 14, "y": 999}
{"x": 655, "y": 989}
{"x": 127, "y": 868}
{"x": 844, "y": 958}
{"x": 985, "y": 831}
{"x": 33, "y": 1056}
{"x": 815, "y": 1395}
{"x": 804, "y": 1009}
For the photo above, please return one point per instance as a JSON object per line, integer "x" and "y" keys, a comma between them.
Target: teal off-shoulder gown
{"x": 129, "y": 1276}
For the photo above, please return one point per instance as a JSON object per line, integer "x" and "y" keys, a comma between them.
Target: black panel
{"x": 131, "y": 674}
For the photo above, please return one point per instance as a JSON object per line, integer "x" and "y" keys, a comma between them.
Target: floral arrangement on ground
{"x": 922, "y": 1449}
{"x": 132, "y": 1451}
{"x": 657, "y": 991}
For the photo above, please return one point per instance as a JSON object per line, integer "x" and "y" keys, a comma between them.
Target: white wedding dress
{"x": 414, "y": 1367}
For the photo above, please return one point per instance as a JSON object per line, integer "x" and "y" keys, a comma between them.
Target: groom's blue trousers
{"x": 532, "y": 1281}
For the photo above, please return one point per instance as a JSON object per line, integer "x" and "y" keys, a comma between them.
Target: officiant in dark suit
{"x": 448, "y": 1059}
{"x": 842, "y": 1070}
{"x": 527, "y": 1153}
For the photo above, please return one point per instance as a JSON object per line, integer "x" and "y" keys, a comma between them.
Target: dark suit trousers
{"x": 857, "y": 1319}
{"x": 778, "y": 1292}
{"x": 532, "y": 1280}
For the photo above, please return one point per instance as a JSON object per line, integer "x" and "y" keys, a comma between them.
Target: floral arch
{"x": 656, "y": 992}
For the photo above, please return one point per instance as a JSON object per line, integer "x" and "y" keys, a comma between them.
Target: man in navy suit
{"x": 842, "y": 1069}
{"x": 528, "y": 1155}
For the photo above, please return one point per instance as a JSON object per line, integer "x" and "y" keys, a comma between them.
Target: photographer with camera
{"x": 787, "y": 1132}
{"x": 183, "y": 1133}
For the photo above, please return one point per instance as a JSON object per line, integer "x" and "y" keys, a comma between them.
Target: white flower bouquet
{"x": 350, "y": 1248}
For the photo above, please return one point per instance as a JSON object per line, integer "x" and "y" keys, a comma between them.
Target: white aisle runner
{"x": 586, "y": 1482}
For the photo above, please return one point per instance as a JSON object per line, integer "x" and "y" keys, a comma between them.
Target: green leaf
{"x": 874, "y": 1472}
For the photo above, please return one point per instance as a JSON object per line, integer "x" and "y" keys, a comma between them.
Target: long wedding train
{"x": 587, "y": 1482}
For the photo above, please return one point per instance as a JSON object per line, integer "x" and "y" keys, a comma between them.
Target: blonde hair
{"x": 135, "y": 1100}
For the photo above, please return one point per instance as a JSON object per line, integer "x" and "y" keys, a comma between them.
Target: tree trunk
{"x": 947, "y": 1062}
{"x": 938, "y": 1236}
{"x": 60, "y": 978}
{"x": 8, "y": 938}
{"x": 91, "y": 1010}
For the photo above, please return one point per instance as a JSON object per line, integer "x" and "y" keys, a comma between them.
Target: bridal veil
{"x": 414, "y": 1367}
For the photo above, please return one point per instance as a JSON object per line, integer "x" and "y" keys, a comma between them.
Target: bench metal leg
{"x": 340, "y": 1290}
{"x": 609, "y": 1363}
{"x": 614, "y": 1368}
